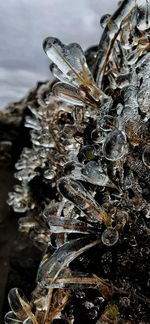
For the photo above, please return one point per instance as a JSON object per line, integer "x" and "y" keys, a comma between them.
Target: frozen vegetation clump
{"x": 83, "y": 182}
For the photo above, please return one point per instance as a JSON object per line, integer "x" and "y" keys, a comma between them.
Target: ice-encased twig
{"x": 60, "y": 260}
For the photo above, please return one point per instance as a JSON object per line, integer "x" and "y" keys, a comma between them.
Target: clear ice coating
{"x": 70, "y": 60}
{"x": 67, "y": 225}
{"x": 57, "y": 264}
{"x": 68, "y": 93}
{"x": 93, "y": 173}
{"x": 114, "y": 146}
{"x": 76, "y": 193}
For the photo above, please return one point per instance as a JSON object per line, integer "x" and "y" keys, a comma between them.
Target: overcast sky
{"x": 25, "y": 23}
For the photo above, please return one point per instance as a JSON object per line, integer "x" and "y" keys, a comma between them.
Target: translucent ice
{"x": 11, "y": 318}
{"x": 70, "y": 60}
{"x": 107, "y": 123}
{"x": 52, "y": 267}
{"x": 104, "y": 20}
{"x": 49, "y": 174}
{"x": 110, "y": 236}
{"x": 76, "y": 193}
{"x": 15, "y": 298}
{"x": 67, "y": 225}
{"x": 114, "y": 146}
{"x": 94, "y": 173}
{"x": 68, "y": 93}
{"x": 29, "y": 321}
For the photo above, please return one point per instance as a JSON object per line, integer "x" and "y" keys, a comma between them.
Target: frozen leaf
{"x": 120, "y": 36}
{"x": 58, "y": 73}
{"x": 82, "y": 281}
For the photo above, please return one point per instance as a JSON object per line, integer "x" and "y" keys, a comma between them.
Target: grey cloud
{"x": 25, "y": 23}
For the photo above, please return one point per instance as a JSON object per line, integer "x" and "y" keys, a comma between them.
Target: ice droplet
{"x": 104, "y": 20}
{"x": 146, "y": 156}
{"x": 114, "y": 146}
{"x": 110, "y": 236}
{"x": 49, "y": 174}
